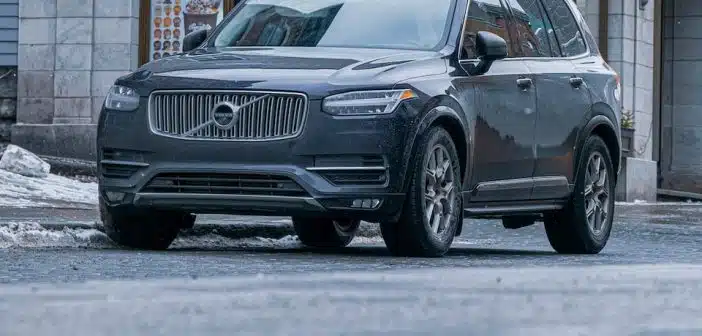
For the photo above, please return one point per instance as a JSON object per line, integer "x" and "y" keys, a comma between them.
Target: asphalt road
{"x": 224, "y": 246}
{"x": 593, "y": 300}
{"x": 493, "y": 281}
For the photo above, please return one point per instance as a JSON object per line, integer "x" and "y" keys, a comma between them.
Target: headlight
{"x": 366, "y": 103}
{"x": 122, "y": 99}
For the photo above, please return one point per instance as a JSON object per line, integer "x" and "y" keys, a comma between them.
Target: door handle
{"x": 524, "y": 83}
{"x": 576, "y": 82}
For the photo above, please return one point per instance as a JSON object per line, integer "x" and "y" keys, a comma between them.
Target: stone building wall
{"x": 70, "y": 52}
{"x": 630, "y": 51}
{"x": 8, "y": 102}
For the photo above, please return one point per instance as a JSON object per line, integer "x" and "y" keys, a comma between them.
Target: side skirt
{"x": 497, "y": 210}
{"x": 526, "y": 198}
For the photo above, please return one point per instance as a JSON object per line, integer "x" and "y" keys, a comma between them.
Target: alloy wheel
{"x": 439, "y": 191}
{"x": 597, "y": 195}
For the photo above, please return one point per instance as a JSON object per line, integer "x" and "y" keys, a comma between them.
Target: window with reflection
{"x": 570, "y": 38}
{"x": 485, "y": 15}
{"x": 401, "y": 24}
{"x": 534, "y": 30}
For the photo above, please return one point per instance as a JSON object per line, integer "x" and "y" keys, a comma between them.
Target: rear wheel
{"x": 325, "y": 233}
{"x": 432, "y": 211}
{"x": 143, "y": 228}
{"x": 584, "y": 226}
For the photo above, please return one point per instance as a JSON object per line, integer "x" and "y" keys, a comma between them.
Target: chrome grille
{"x": 262, "y": 116}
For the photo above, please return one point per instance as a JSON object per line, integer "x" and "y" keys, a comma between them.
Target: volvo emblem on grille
{"x": 225, "y": 115}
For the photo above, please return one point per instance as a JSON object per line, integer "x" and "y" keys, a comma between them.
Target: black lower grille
{"x": 355, "y": 177}
{"x": 120, "y": 163}
{"x": 224, "y": 184}
{"x": 117, "y": 171}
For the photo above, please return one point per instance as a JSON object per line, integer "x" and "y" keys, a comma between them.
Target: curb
{"x": 70, "y": 167}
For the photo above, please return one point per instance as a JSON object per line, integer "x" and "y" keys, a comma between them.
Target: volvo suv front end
{"x": 313, "y": 125}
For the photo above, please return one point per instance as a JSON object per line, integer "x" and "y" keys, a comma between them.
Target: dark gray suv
{"x": 413, "y": 114}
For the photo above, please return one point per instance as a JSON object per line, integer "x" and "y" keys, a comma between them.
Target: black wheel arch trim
{"x": 600, "y": 115}
{"x": 442, "y": 109}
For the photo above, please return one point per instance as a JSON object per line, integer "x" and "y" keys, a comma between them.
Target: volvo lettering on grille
{"x": 225, "y": 115}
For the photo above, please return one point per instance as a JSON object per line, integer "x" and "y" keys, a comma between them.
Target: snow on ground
{"x": 213, "y": 240}
{"x": 21, "y": 191}
{"x": 28, "y": 234}
{"x": 640, "y": 202}
{"x": 33, "y": 235}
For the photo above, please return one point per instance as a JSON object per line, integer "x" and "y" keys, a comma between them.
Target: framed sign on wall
{"x": 164, "y": 23}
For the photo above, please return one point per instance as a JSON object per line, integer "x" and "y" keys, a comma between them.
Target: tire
{"x": 143, "y": 229}
{"x": 570, "y": 231}
{"x": 325, "y": 233}
{"x": 413, "y": 235}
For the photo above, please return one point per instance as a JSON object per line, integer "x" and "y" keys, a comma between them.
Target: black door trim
{"x": 550, "y": 187}
{"x": 502, "y": 190}
{"x": 530, "y": 188}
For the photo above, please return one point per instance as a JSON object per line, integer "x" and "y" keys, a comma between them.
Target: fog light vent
{"x": 366, "y": 203}
{"x": 114, "y": 196}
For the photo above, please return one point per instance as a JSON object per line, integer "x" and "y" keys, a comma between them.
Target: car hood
{"x": 312, "y": 70}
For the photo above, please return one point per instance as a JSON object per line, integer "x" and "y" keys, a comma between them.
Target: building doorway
{"x": 680, "y": 140}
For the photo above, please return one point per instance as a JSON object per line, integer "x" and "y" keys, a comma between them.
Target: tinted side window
{"x": 485, "y": 15}
{"x": 569, "y": 36}
{"x": 532, "y": 28}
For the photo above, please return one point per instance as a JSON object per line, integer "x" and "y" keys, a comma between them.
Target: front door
{"x": 505, "y": 118}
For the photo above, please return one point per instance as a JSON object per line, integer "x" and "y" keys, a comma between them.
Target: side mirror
{"x": 194, "y": 39}
{"x": 489, "y": 48}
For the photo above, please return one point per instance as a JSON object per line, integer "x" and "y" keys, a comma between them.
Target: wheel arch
{"x": 446, "y": 112}
{"x": 601, "y": 123}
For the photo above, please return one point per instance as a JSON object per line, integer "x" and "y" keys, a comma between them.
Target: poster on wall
{"x": 171, "y": 20}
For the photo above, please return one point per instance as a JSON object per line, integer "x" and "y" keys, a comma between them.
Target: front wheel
{"x": 432, "y": 211}
{"x": 584, "y": 226}
{"x": 325, "y": 233}
{"x": 143, "y": 228}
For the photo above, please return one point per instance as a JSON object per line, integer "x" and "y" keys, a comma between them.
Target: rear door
{"x": 551, "y": 42}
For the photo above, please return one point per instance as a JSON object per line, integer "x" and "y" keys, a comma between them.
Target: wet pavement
{"x": 249, "y": 276}
{"x": 75, "y": 250}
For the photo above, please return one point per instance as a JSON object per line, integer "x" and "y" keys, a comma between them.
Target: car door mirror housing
{"x": 194, "y": 39}
{"x": 489, "y": 48}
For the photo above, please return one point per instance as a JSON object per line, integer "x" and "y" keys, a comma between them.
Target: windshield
{"x": 402, "y": 24}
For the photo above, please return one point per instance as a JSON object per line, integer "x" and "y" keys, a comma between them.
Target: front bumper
{"x": 335, "y": 167}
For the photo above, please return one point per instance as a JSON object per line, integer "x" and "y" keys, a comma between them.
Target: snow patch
{"x": 28, "y": 234}
{"x": 22, "y": 191}
{"x": 21, "y": 161}
{"x": 33, "y": 235}
{"x": 640, "y": 202}
{"x": 367, "y": 240}
{"x": 212, "y": 240}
